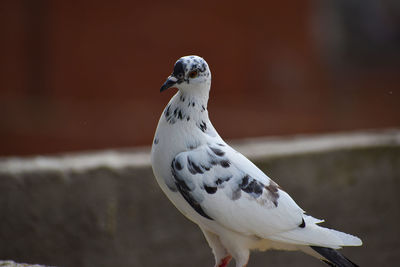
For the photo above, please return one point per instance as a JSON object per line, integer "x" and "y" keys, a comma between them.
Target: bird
{"x": 237, "y": 206}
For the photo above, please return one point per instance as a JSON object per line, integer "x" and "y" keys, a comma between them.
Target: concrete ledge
{"x": 260, "y": 148}
{"x": 253, "y": 148}
{"x": 105, "y": 208}
{"x": 14, "y": 264}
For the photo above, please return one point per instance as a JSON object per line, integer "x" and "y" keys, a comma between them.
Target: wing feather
{"x": 223, "y": 185}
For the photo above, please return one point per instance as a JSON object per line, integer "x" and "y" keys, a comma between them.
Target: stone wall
{"x": 105, "y": 208}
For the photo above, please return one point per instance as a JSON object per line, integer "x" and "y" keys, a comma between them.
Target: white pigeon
{"x": 234, "y": 203}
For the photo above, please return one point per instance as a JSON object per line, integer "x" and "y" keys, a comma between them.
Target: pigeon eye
{"x": 179, "y": 76}
{"x": 193, "y": 74}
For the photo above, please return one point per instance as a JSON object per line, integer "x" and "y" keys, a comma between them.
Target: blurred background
{"x": 84, "y": 75}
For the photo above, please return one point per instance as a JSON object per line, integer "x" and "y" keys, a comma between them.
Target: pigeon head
{"x": 190, "y": 74}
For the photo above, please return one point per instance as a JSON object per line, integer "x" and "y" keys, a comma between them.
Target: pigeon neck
{"x": 187, "y": 107}
{"x": 193, "y": 103}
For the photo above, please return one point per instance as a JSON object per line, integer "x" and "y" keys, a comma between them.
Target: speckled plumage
{"x": 235, "y": 204}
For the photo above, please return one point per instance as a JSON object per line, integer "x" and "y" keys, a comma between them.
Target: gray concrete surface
{"x": 15, "y": 264}
{"x": 105, "y": 208}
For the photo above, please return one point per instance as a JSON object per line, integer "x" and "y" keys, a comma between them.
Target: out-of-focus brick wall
{"x": 86, "y": 75}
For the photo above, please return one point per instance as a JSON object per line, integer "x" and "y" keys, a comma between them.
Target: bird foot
{"x": 225, "y": 261}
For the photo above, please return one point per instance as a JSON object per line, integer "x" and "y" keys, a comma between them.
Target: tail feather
{"x": 315, "y": 235}
{"x": 333, "y": 257}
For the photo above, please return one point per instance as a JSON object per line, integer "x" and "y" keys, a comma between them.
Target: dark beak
{"x": 171, "y": 81}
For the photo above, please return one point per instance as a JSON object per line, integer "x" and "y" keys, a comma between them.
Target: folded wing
{"x": 223, "y": 185}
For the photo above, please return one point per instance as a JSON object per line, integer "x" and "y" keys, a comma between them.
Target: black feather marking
{"x": 203, "y": 126}
{"x": 203, "y": 67}
{"x": 225, "y": 163}
{"x": 192, "y": 202}
{"x": 184, "y": 189}
{"x": 334, "y": 257}
{"x": 251, "y": 186}
{"x": 182, "y": 184}
{"x": 303, "y": 223}
{"x": 194, "y": 66}
{"x": 168, "y": 116}
{"x": 193, "y": 167}
{"x": 167, "y": 111}
{"x": 179, "y": 70}
{"x": 213, "y": 161}
{"x": 178, "y": 165}
{"x": 210, "y": 189}
{"x": 180, "y": 115}
{"x": 245, "y": 181}
{"x": 219, "y": 181}
{"x": 217, "y": 151}
{"x": 205, "y": 167}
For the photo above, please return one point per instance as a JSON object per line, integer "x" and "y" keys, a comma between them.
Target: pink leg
{"x": 225, "y": 261}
